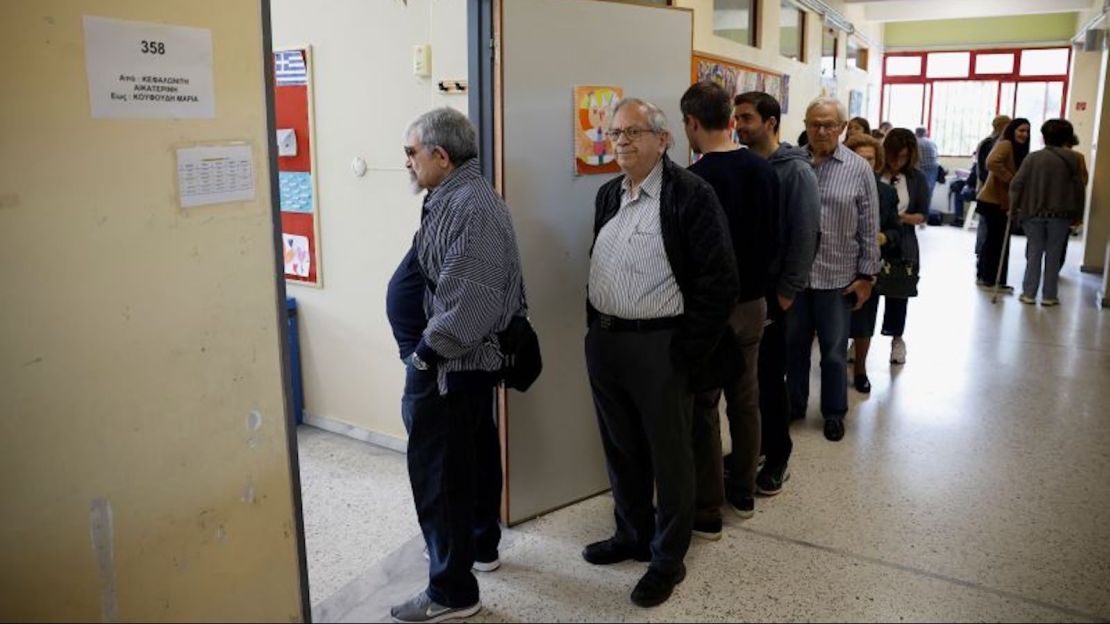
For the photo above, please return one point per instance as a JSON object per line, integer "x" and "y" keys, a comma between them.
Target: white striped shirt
{"x": 630, "y": 275}
{"x": 849, "y": 221}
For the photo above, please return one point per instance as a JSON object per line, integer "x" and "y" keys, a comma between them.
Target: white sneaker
{"x": 898, "y": 351}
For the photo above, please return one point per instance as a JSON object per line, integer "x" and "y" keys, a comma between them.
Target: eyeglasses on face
{"x": 632, "y": 132}
{"x": 410, "y": 151}
{"x": 829, "y": 126}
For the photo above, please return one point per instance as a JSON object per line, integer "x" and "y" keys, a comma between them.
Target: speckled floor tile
{"x": 357, "y": 507}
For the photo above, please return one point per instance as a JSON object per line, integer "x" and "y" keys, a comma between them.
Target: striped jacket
{"x": 468, "y": 252}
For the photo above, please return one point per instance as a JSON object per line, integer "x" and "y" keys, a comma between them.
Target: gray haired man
{"x": 662, "y": 285}
{"x": 458, "y": 286}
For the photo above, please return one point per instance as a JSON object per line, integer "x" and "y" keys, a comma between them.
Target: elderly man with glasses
{"x": 843, "y": 271}
{"x": 662, "y": 284}
{"x": 458, "y": 286}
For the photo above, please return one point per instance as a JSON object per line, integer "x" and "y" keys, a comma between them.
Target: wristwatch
{"x": 418, "y": 363}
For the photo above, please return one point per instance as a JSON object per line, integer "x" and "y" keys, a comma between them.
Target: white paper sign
{"x": 142, "y": 70}
{"x": 214, "y": 175}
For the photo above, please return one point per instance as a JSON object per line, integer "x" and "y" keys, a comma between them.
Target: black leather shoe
{"x": 608, "y": 552}
{"x": 834, "y": 429}
{"x": 863, "y": 384}
{"x": 655, "y": 587}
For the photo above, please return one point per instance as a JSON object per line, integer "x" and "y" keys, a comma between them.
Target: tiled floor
{"x": 972, "y": 486}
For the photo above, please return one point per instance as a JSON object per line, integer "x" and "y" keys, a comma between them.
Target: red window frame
{"x": 1014, "y": 76}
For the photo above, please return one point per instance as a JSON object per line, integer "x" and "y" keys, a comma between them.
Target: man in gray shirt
{"x": 662, "y": 285}
{"x": 757, "y": 116}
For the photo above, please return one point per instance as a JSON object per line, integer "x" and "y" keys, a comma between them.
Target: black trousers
{"x": 774, "y": 404}
{"x": 645, "y": 415}
{"x": 994, "y": 219}
{"x": 454, "y": 460}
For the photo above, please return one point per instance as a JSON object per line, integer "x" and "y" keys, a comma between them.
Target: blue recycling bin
{"x": 295, "y": 360}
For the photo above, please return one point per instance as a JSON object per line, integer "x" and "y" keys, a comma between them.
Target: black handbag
{"x": 897, "y": 278}
{"x": 521, "y": 347}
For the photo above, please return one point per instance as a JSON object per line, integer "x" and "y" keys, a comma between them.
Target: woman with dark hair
{"x": 902, "y": 172}
{"x": 862, "y": 324}
{"x": 1047, "y": 195}
{"x": 993, "y": 202}
{"x": 857, "y": 125}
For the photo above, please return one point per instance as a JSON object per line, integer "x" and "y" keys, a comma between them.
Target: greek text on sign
{"x": 150, "y": 71}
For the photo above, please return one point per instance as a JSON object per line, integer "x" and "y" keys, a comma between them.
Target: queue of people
{"x": 704, "y": 283}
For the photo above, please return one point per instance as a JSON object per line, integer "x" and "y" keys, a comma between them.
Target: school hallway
{"x": 971, "y": 486}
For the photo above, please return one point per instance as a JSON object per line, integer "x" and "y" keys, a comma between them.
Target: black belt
{"x": 612, "y": 323}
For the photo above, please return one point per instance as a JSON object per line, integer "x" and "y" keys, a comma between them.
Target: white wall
{"x": 365, "y": 97}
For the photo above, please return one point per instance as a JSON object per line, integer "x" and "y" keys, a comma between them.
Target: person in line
{"x": 1048, "y": 195}
{"x": 862, "y": 325}
{"x": 748, "y": 191}
{"x": 757, "y": 116}
{"x": 998, "y": 124}
{"x": 457, "y": 287}
{"x": 885, "y": 127}
{"x": 857, "y": 125}
{"x": 662, "y": 285}
{"x": 993, "y": 203}
{"x": 901, "y": 172}
{"x": 928, "y": 159}
{"x": 843, "y": 272}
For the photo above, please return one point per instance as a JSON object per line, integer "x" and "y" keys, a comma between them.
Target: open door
{"x": 546, "y": 49}
{"x": 148, "y": 468}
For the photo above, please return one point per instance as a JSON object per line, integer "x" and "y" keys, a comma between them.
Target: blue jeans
{"x": 828, "y": 314}
{"x": 931, "y": 182}
{"x": 454, "y": 460}
{"x": 1045, "y": 239}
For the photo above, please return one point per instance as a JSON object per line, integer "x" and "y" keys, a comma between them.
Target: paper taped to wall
{"x": 214, "y": 175}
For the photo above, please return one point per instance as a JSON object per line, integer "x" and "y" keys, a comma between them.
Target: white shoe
{"x": 851, "y": 351}
{"x": 898, "y": 351}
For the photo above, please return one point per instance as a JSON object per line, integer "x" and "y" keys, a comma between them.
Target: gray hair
{"x": 841, "y": 111}
{"x": 656, "y": 118}
{"x": 447, "y": 128}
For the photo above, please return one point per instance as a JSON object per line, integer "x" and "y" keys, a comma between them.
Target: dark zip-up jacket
{"x": 699, "y": 250}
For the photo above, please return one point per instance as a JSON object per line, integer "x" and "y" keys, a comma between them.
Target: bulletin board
{"x": 300, "y": 210}
{"x": 737, "y": 78}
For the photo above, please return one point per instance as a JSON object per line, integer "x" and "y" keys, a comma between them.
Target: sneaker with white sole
{"x": 421, "y": 608}
{"x": 1026, "y": 299}
{"x": 1048, "y": 303}
{"x": 898, "y": 351}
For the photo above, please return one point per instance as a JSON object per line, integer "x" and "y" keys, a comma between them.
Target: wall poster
{"x": 300, "y": 213}
{"x": 593, "y": 107}
{"x": 855, "y": 103}
{"x": 737, "y": 78}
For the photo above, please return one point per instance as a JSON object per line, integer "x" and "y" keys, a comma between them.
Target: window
{"x": 857, "y": 55}
{"x": 735, "y": 20}
{"x": 828, "y": 51}
{"x": 955, "y": 94}
{"x": 994, "y": 63}
{"x": 903, "y": 65}
{"x": 792, "y": 29}
{"x": 1044, "y": 62}
{"x": 948, "y": 65}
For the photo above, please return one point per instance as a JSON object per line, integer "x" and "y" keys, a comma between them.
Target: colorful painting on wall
{"x": 593, "y": 108}
{"x": 300, "y": 225}
{"x": 737, "y": 78}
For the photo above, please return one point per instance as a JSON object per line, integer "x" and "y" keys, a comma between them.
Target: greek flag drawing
{"x": 289, "y": 68}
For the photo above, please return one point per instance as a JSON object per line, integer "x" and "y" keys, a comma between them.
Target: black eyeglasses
{"x": 632, "y": 133}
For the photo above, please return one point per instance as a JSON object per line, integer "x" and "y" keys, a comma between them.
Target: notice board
{"x": 300, "y": 212}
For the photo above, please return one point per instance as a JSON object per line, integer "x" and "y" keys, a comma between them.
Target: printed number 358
{"x": 153, "y": 47}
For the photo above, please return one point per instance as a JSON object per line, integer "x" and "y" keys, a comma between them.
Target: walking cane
{"x": 1002, "y": 259}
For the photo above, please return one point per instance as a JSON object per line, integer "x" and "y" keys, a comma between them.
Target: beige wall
{"x": 135, "y": 342}
{"x": 1083, "y": 87}
{"x": 805, "y": 78}
{"x": 365, "y": 97}
{"x": 1097, "y": 230}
